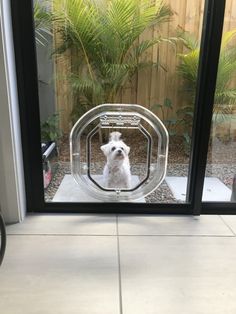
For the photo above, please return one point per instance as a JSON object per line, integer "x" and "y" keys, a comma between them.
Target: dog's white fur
{"x": 116, "y": 173}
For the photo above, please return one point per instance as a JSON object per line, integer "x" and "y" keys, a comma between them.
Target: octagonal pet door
{"x": 118, "y": 152}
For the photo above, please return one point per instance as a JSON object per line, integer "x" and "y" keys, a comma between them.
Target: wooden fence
{"x": 151, "y": 86}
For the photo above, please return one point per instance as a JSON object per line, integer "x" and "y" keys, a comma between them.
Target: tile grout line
{"x": 125, "y": 235}
{"x": 227, "y": 225}
{"x": 119, "y": 267}
{"x": 61, "y": 235}
{"x": 178, "y": 235}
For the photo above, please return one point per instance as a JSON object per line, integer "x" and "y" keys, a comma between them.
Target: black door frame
{"x": 26, "y": 68}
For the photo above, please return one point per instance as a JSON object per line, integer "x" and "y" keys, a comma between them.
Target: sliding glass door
{"x": 109, "y": 54}
{"x": 81, "y": 54}
{"x": 220, "y": 176}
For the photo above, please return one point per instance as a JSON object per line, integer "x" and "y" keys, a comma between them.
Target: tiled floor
{"x": 80, "y": 264}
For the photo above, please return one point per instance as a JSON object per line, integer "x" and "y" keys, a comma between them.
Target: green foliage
{"x": 183, "y": 120}
{"x": 163, "y": 111}
{"x": 50, "y": 130}
{"x": 225, "y": 95}
{"x": 188, "y": 67}
{"x": 106, "y": 36}
{"x": 42, "y": 23}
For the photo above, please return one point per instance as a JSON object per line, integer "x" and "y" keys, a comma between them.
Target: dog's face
{"x": 115, "y": 150}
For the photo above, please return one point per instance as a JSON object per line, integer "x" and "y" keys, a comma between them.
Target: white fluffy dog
{"x": 116, "y": 173}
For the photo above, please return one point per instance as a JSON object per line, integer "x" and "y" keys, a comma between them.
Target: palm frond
{"x": 141, "y": 47}
{"x": 125, "y": 20}
{"x": 226, "y": 70}
{"x": 226, "y": 96}
{"x": 77, "y": 20}
{"x": 85, "y": 84}
{"x": 226, "y": 38}
{"x": 42, "y": 23}
{"x": 188, "y": 67}
{"x": 106, "y": 35}
{"x": 189, "y": 41}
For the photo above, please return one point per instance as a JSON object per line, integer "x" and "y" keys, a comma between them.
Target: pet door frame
{"x": 27, "y": 84}
{"x": 127, "y": 117}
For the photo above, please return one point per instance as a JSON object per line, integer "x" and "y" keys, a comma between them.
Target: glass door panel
{"x": 220, "y": 177}
{"x": 88, "y": 55}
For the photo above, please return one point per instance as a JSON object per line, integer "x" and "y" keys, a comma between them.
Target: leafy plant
{"x": 225, "y": 95}
{"x": 42, "y": 23}
{"x": 183, "y": 120}
{"x": 163, "y": 111}
{"x": 50, "y": 130}
{"x": 105, "y": 35}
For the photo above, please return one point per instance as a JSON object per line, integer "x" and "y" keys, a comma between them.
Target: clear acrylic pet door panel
{"x": 94, "y": 128}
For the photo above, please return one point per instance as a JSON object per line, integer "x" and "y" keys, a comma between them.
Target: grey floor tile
{"x": 230, "y": 221}
{"x": 172, "y": 225}
{"x": 172, "y": 275}
{"x": 65, "y": 224}
{"x": 59, "y": 275}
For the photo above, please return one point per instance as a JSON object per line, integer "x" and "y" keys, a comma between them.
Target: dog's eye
{"x": 122, "y": 148}
{"x": 113, "y": 148}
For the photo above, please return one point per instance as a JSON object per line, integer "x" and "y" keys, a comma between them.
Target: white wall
{"x": 12, "y": 193}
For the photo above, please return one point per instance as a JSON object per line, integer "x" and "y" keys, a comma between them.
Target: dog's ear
{"x": 105, "y": 148}
{"x": 127, "y": 149}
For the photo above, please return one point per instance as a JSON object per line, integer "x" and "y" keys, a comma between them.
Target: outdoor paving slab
{"x": 204, "y": 225}
{"x": 74, "y": 224}
{"x": 213, "y": 191}
{"x": 59, "y": 275}
{"x": 172, "y": 275}
{"x": 70, "y": 191}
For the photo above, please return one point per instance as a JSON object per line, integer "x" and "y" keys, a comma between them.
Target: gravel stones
{"x": 162, "y": 194}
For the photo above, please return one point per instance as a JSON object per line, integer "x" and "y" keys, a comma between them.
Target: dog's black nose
{"x": 119, "y": 151}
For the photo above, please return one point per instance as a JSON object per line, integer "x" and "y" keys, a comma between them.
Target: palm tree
{"x": 106, "y": 37}
{"x": 225, "y": 95}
